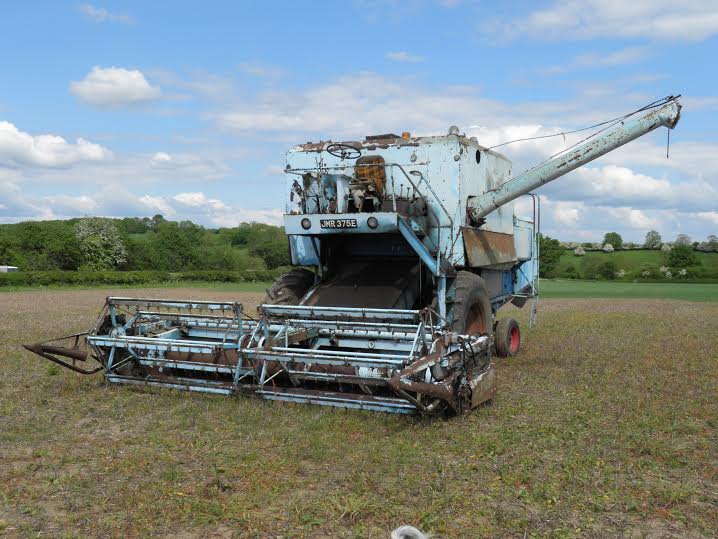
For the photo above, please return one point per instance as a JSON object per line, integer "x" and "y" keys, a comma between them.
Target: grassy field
{"x": 605, "y": 425}
{"x": 549, "y": 288}
{"x": 121, "y": 290}
{"x": 631, "y": 261}
{"x": 564, "y": 288}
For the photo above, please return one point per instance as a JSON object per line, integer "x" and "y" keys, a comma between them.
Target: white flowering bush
{"x": 666, "y": 247}
{"x": 579, "y": 251}
{"x": 101, "y": 245}
{"x": 608, "y": 248}
{"x": 620, "y": 274}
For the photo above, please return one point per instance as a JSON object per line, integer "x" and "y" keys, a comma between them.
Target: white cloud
{"x": 567, "y": 213}
{"x": 16, "y": 204}
{"x": 112, "y": 86}
{"x": 356, "y": 105}
{"x": 710, "y": 216}
{"x": 404, "y": 57}
{"x": 690, "y": 20}
{"x": 71, "y": 205}
{"x": 157, "y": 204}
{"x": 200, "y": 200}
{"x": 612, "y": 183}
{"x": 116, "y": 201}
{"x": 636, "y": 219}
{"x": 161, "y": 158}
{"x": 240, "y": 215}
{"x": 592, "y": 60}
{"x": 261, "y": 70}
{"x": 18, "y": 148}
{"x": 629, "y": 55}
{"x": 98, "y": 14}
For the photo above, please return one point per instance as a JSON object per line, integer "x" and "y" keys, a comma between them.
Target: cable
{"x": 608, "y": 124}
{"x": 655, "y": 104}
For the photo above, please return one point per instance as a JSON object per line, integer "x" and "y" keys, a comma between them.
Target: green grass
{"x": 559, "y": 288}
{"x": 603, "y": 426}
{"x": 632, "y": 261}
{"x": 550, "y": 288}
{"x": 257, "y": 286}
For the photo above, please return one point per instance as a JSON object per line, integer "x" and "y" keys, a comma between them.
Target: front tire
{"x": 289, "y": 288}
{"x": 472, "y": 307}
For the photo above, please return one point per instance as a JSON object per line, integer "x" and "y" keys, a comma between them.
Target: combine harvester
{"x": 414, "y": 247}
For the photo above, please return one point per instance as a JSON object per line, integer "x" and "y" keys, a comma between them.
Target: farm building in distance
{"x": 8, "y": 269}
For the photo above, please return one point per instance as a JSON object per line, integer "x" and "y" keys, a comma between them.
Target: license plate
{"x": 338, "y": 223}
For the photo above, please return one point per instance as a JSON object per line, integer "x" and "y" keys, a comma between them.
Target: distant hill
{"x": 634, "y": 264}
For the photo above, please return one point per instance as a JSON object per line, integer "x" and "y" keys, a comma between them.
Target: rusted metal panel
{"x": 488, "y": 249}
{"x": 483, "y": 387}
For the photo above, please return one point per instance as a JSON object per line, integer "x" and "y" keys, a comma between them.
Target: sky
{"x": 187, "y": 108}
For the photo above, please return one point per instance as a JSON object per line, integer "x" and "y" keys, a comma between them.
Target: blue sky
{"x": 187, "y": 109}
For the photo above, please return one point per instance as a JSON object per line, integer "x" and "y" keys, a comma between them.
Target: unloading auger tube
{"x": 414, "y": 246}
{"x": 626, "y": 131}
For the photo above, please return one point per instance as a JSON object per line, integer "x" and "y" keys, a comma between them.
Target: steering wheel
{"x": 344, "y": 151}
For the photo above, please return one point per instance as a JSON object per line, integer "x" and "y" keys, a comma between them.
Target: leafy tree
{"x": 614, "y": 238}
{"x": 549, "y": 255}
{"x": 273, "y": 255}
{"x": 63, "y": 249}
{"x": 570, "y": 272}
{"x": 133, "y": 225}
{"x": 175, "y": 247}
{"x": 150, "y": 243}
{"x": 7, "y": 255}
{"x": 711, "y": 243}
{"x": 653, "y": 240}
{"x": 683, "y": 239}
{"x": 156, "y": 221}
{"x": 100, "y": 244}
{"x": 588, "y": 267}
{"x": 607, "y": 270}
{"x": 682, "y": 256}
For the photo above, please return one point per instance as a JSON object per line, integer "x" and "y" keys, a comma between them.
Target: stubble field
{"x": 605, "y": 425}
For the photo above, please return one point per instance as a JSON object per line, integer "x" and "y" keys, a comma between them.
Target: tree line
{"x": 133, "y": 243}
{"x": 679, "y": 258}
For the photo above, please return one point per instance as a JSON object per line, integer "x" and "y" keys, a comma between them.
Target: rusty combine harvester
{"x": 414, "y": 247}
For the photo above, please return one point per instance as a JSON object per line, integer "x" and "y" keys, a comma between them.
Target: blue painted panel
{"x": 302, "y": 251}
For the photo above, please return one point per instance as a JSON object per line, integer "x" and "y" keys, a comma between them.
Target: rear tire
{"x": 472, "y": 310}
{"x": 289, "y": 288}
{"x": 507, "y": 338}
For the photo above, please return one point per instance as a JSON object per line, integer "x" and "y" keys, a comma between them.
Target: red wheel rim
{"x": 514, "y": 339}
